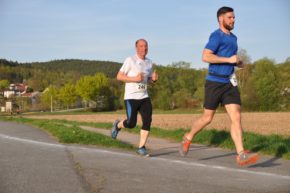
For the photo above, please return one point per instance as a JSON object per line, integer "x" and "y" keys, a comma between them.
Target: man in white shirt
{"x": 136, "y": 72}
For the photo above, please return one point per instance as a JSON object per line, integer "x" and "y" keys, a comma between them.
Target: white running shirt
{"x": 131, "y": 68}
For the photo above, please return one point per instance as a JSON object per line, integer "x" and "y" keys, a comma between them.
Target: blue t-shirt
{"x": 223, "y": 45}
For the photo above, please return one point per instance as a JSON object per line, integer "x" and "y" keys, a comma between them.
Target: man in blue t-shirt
{"x": 220, "y": 87}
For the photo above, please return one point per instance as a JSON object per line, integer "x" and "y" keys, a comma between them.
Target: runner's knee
{"x": 129, "y": 124}
{"x": 207, "y": 119}
{"x": 235, "y": 117}
{"x": 146, "y": 125}
{"x": 146, "y": 122}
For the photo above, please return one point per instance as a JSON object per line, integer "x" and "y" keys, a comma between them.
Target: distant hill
{"x": 4, "y": 62}
{"x": 83, "y": 67}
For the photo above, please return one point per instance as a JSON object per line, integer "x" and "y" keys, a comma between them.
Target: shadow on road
{"x": 174, "y": 150}
{"x": 218, "y": 156}
{"x": 267, "y": 163}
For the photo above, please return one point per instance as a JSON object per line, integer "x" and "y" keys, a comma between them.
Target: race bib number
{"x": 141, "y": 86}
{"x": 234, "y": 80}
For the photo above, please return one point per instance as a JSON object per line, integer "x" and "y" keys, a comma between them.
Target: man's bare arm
{"x": 123, "y": 77}
{"x": 209, "y": 57}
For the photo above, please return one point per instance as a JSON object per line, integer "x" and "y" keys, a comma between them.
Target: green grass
{"x": 71, "y": 133}
{"x": 273, "y": 145}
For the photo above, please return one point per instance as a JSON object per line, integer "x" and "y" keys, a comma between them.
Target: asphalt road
{"x": 31, "y": 161}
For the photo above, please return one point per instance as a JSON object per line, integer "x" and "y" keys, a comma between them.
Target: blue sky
{"x": 177, "y": 30}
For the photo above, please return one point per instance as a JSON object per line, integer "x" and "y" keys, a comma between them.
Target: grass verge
{"x": 71, "y": 133}
{"x": 273, "y": 145}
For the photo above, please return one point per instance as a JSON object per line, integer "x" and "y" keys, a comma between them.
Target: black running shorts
{"x": 220, "y": 93}
{"x": 143, "y": 106}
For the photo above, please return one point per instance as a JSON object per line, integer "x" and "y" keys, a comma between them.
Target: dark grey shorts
{"x": 220, "y": 93}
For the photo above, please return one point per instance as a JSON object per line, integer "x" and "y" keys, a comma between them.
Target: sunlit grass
{"x": 274, "y": 145}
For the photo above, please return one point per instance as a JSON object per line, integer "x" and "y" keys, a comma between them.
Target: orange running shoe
{"x": 247, "y": 158}
{"x": 184, "y": 147}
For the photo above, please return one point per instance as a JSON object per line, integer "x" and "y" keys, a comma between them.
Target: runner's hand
{"x": 154, "y": 76}
{"x": 234, "y": 59}
{"x": 139, "y": 78}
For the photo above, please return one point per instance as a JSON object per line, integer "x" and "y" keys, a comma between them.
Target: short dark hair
{"x": 224, "y": 10}
{"x": 140, "y": 40}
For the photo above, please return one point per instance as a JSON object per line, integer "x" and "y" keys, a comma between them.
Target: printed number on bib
{"x": 234, "y": 80}
{"x": 141, "y": 86}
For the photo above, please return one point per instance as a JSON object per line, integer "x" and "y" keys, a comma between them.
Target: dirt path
{"x": 263, "y": 123}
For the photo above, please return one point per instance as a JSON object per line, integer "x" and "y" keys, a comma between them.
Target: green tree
{"x": 266, "y": 84}
{"x": 161, "y": 92}
{"x": 67, "y": 94}
{"x": 84, "y": 88}
{"x": 180, "y": 64}
{"x": 4, "y": 84}
{"x": 91, "y": 87}
{"x": 181, "y": 98}
{"x": 163, "y": 100}
{"x": 200, "y": 82}
{"x": 50, "y": 98}
{"x": 249, "y": 97}
{"x": 284, "y": 75}
{"x": 186, "y": 80}
{"x": 117, "y": 94}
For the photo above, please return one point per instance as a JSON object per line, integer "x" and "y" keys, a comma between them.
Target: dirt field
{"x": 263, "y": 123}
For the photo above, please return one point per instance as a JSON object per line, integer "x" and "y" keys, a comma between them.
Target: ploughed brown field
{"x": 262, "y": 123}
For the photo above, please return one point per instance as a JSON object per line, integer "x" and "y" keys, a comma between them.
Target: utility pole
{"x": 51, "y": 103}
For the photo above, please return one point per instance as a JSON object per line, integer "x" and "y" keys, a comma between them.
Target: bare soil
{"x": 261, "y": 123}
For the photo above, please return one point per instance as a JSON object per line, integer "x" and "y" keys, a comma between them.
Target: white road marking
{"x": 31, "y": 141}
{"x": 153, "y": 158}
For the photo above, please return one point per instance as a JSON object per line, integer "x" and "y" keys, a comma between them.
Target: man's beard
{"x": 228, "y": 27}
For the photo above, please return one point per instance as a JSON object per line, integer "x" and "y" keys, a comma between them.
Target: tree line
{"x": 264, "y": 85}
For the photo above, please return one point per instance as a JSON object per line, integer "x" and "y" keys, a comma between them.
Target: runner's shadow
{"x": 266, "y": 164}
{"x": 173, "y": 150}
{"x": 218, "y": 156}
{"x": 280, "y": 151}
{"x": 165, "y": 151}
